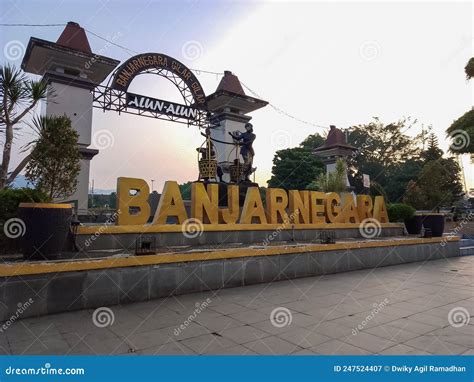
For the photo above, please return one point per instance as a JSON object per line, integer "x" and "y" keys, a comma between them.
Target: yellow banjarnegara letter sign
{"x": 230, "y": 215}
{"x": 170, "y": 205}
{"x": 380, "y": 211}
{"x": 277, "y": 203}
{"x": 348, "y": 212}
{"x": 253, "y": 208}
{"x": 132, "y": 198}
{"x": 204, "y": 203}
{"x": 281, "y": 208}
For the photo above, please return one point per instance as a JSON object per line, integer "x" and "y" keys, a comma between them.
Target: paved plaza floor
{"x": 417, "y": 308}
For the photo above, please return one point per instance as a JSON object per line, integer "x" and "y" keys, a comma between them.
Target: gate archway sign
{"x": 116, "y": 97}
{"x": 146, "y": 62}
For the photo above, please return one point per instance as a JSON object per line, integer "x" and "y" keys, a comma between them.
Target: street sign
{"x": 366, "y": 179}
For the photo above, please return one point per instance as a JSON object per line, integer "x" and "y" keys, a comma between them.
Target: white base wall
{"x": 226, "y": 153}
{"x": 76, "y": 103}
{"x": 80, "y": 197}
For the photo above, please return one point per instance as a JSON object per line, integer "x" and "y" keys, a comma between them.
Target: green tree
{"x": 18, "y": 97}
{"x": 469, "y": 68}
{"x": 461, "y": 132}
{"x": 400, "y": 176}
{"x": 386, "y": 144}
{"x": 439, "y": 183}
{"x": 185, "y": 190}
{"x": 312, "y": 141}
{"x": 432, "y": 152}
{"x": 377, "y": 189}
{"x": 103, "y": 200}
{"x": 294, "y": 168}
{"x": 383, "y": 152}
{"x": 54, "y": 163}
{"x": 414, "y": 195}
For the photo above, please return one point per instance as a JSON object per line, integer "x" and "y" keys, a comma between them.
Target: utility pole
{"x": 423, "y": 136}
{"x": 92, "y": 193}
{"x": 463, "y": 177}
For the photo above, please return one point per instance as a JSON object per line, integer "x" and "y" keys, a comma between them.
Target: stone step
{"x": 466, "y": 251}
{"x": 466, "y": 242}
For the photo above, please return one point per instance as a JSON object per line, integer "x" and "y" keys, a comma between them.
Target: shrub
{"x": 55, "y": 160}
{"x": 10, "y": 198}
{"x": 398, "y": 212}
{"x": 334, "y": 181}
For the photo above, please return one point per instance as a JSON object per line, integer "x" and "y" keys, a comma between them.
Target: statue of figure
{"x": 246, "y": 148}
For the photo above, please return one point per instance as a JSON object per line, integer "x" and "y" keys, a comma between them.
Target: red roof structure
{"x": 336, "y": 138}
{"x": 230, "y": 83}
{"x": 74, "y": 37}
{"x": 71, "y": 52}
{"x": 231, "y": 96}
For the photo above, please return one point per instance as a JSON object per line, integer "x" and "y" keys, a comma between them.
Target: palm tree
{"x": 18, "y": 97}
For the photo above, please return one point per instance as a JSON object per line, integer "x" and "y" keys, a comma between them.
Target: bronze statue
{"x": 246, "y": 148}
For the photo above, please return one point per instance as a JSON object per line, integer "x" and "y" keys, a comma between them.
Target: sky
{"x": 323, "y": 63}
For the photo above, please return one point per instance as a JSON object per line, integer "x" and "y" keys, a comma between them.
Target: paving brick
{"x": 324, "y": 311}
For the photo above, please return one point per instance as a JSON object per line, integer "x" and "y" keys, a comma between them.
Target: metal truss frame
{"x": 107, "y": 98}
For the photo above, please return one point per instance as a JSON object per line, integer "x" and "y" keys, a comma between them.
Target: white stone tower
{"x": 230, "y": 106}
{"x": 72, "y": 71}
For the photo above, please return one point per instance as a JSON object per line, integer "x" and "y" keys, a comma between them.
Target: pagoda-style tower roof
{"x": 230, "y": 83}
{"x": 335, "y": 139}
{"x": 334, "y": 147}
{"x": 74, "y": 37}
{"x": 230, "y": 96}
{"x": 70, "y": 55}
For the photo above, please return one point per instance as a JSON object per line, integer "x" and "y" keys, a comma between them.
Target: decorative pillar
{"x": 230, "y": 106}
{"x": 72, "y": 72}
{"x": 335, "y": 147}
